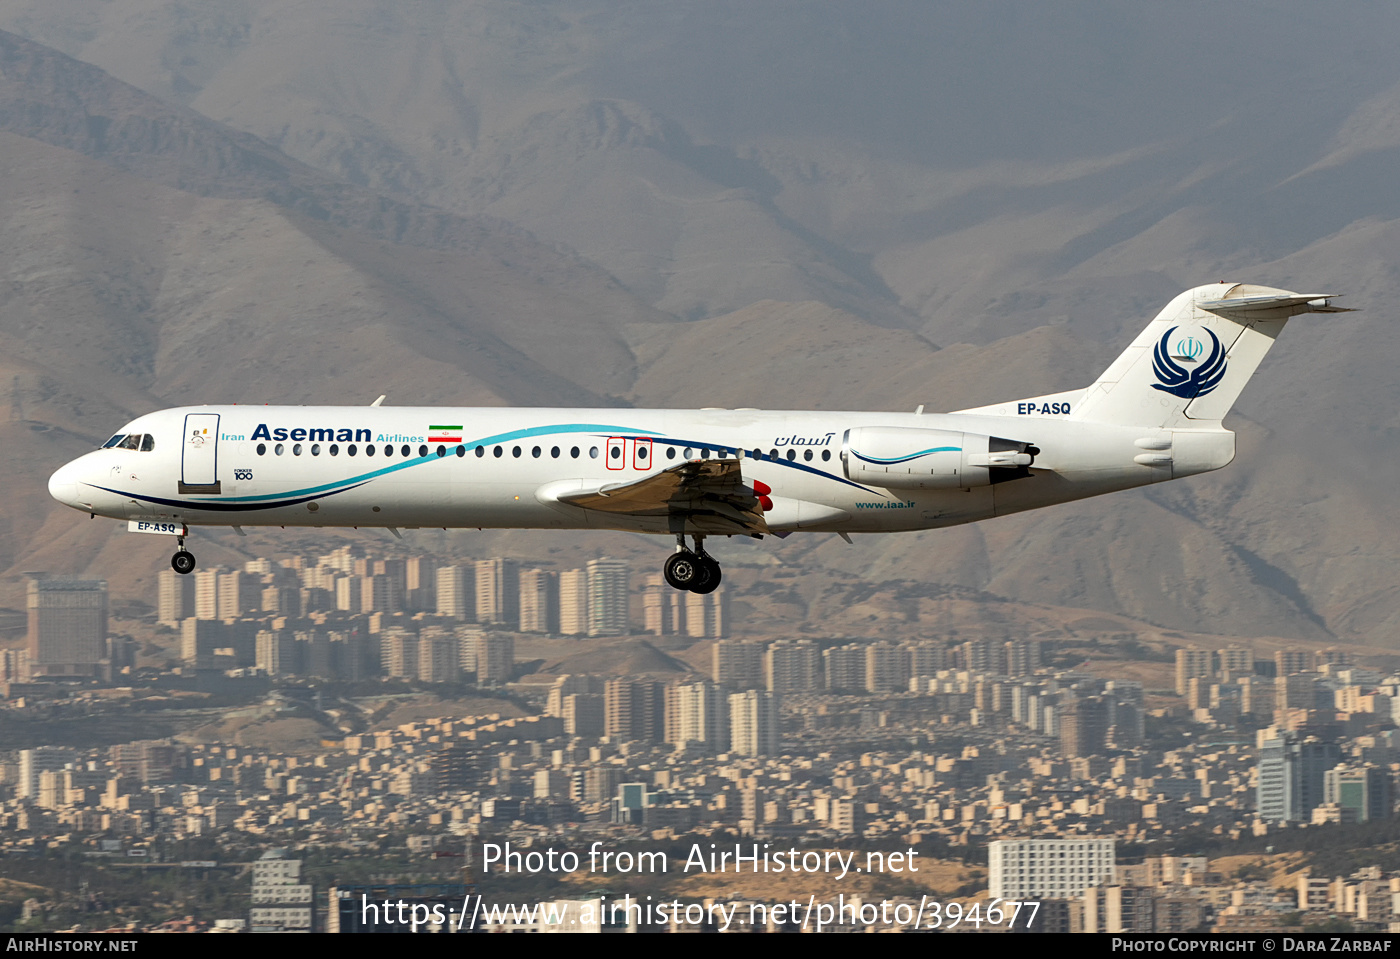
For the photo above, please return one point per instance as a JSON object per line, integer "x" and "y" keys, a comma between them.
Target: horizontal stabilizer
{"x": 1187, "y": 368}
{"x": 1313, "y": 303}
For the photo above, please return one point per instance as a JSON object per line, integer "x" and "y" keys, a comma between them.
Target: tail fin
{"x": 1190, "y": 364}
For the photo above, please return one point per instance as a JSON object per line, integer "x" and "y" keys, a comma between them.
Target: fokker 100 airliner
{"x": 1155, "y": 414}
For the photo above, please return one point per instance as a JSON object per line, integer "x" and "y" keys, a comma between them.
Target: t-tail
{"x": 1187, "y": 368}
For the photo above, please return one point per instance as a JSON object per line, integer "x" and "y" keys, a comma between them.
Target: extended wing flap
{"x": 707, "y": 492}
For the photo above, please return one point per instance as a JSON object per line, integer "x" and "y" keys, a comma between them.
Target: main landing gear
{"x": 183, "y": 560}
{"x": 693, "y": 570}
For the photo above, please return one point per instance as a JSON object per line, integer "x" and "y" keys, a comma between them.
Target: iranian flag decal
{"x": 445, "y": 434}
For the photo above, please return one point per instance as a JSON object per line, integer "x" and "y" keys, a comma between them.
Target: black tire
{"x": 710, "y": 577}
{"x": 182, "y": 562}
{"x": 681, "y": 569}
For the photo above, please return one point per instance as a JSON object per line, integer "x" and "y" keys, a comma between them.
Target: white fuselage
{"x": 504, "y": 468}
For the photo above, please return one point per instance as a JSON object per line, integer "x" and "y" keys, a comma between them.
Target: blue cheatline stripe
{"x": 296, "y": 497}
{"x": 222, "y": 507}
{"x": 790, "y": 464}
{"x": 904, "y": 459}
{"x": 430, "y": 458}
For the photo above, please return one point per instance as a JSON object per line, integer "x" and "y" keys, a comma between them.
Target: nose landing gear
{"x": 693, "y": 570}
{"x": 183, "y": 560}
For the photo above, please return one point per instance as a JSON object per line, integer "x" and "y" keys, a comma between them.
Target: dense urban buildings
{"x": 1017, "y": 749}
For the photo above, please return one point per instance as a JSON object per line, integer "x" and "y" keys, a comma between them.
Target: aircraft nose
{"x": 63, "y": 485}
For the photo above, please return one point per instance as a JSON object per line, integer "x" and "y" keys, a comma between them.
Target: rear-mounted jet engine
{"x": 897, "y": 457}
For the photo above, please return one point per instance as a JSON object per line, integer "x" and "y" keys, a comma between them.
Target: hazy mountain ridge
{"x": 804, "y": 207}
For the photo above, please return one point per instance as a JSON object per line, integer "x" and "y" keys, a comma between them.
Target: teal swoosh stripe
{"x": 911, "y": 456}
{"x": 419, "y": 460}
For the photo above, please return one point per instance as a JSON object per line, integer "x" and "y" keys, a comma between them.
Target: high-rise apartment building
{"x": 67, "y": 627}
{"x": 277, "y": 652}
{"x": 753, "y": 723}
{"x": 886, "y": 668}
{"x": 498, "y": 592}
{"x": 792, "y": 666}
{"x": 347, "y": 594}
{"x": 174, "y": 598}
{"x": 583, "y": 714}
{"x": 1362, "y": 793}
{"x": 206, "y": 593}
{"x": 1236, "y": 661}
{"x": 379, "y": 593}
{"x": 456, "y": 592}
{"x": 539, "y": 601}
{"x": 399, "y": 652}
{"x": 420, "y": 583}
{"x": 1290, "y": 661}
{"x": 662, "y": 608}
{"x": 737, "y": 665}
{"x": 1190, "y": 664}
{"x": 1048, "y": 868}
{"x": 1291, "y": 776}
{"x": 495, "y": 657}
{"x": 573, "y": 602}
{"x": 1022, "y": 657}
{"x": 240, "y": 594}
{"x": 1083, "y": 726}
{"x": 707, "y": 614}
{"x": 697, "y": 714}
{"x": 845, "y": 667}
{"x": 437, "y": 656}
{"x": 609, "y": 589}
{"x": 634, "y": 709}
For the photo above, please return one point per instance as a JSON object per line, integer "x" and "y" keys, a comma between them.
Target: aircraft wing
{"x": 709, "y": 494}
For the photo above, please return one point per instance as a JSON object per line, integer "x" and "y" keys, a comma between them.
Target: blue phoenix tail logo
{"x": 1179, "y": 381}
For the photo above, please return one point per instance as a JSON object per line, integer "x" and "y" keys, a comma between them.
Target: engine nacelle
{"x": 898, "y": 457}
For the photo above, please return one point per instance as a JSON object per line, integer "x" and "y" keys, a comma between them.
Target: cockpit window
{"x": 144, "y": 442}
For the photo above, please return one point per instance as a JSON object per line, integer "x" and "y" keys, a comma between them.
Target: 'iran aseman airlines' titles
{"x": 1155, "y": 414}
